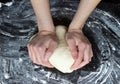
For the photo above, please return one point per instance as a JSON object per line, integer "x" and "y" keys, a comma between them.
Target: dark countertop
{"x": 18, "y": 24}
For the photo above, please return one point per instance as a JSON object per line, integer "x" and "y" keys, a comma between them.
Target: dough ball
{"x": 61, "y": 58}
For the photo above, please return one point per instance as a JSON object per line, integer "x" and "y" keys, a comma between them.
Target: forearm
{"x": 43, "y": 15}
{"x": 84, "y": 10}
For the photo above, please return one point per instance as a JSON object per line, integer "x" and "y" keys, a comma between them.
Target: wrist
{"x": 75, "y": 27}
{"x": 46, "y": 28}
{"x": 75, "y": 30}
{"x": 45, "y": 32}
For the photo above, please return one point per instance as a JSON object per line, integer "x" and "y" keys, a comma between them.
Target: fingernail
{"x": 73, "y": 68}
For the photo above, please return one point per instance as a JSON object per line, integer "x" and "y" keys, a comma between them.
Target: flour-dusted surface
{"x": 18, "y": 24}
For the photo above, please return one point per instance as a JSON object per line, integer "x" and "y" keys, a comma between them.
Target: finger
{"x": 29, "y": 53}
{"x": 37, "y": 54}
{"x": 41, "y": 51}
{"x": 91, "y": 55}
{"x": 91, "y": 51}
{"x": 51, "y": 48}
{"x": 88, "y": 53}
{"x": 49, "y": 52}
{"x": 87, "y": 57}
{"x": 32, "y": 54}
{"x": 47, "y": 64}
{"x": 43, "y": 62}
{"x": 80, "y": 57}
{"x": 72, "y": 45}
{"x": 77, "y": 61}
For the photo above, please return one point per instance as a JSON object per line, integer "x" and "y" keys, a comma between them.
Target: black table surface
{"x": 18, "y": 24}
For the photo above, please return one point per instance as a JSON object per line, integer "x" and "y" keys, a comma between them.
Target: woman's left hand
{"x": 80, "y": 48}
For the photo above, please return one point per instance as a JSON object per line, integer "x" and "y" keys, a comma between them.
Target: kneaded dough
{"x": 61, "y": 58}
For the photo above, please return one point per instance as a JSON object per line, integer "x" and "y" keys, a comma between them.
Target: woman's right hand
{"x": 41, "y": 47}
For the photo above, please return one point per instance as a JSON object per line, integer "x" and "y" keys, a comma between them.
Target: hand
{"x": 80, "y": 48}
{"x": 41, "y": 47}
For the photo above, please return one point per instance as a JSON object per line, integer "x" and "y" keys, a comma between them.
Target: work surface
{"x": 18, "y": 24}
